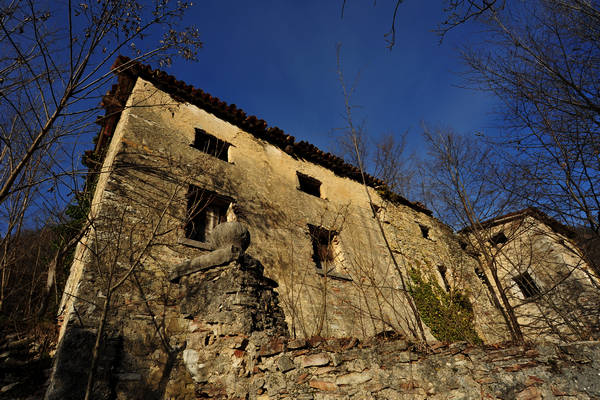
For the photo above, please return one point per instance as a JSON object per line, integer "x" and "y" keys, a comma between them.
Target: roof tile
{"x": 127, "y": 68}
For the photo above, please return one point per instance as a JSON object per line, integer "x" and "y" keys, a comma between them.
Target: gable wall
{"x": 143, "y": 192}
{"x": 566, "y": 307}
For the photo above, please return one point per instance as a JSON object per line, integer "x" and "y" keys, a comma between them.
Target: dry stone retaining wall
{"x": 228, "y": 341}
{"x": 394, "y": 369}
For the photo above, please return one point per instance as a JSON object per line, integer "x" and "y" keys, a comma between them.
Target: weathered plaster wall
{"x": 227, "y": 338}
{"x": 149, "y": 167}
{"x": 568, "y": 301}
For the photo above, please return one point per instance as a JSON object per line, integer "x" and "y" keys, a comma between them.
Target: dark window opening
{"x": 309, "y": 185}
{"x": 481, "y": 275}
{"x": 322, "y": 242}
{"x": 498, "y": 238}
{"x": 424, "y": 231}
{"x": 209, "y": 144}
{"x": 527, "y": 285}
{"x": 442, "y": 270}
{"x": 463, "y": 245}
{"x": 205, "y": 210}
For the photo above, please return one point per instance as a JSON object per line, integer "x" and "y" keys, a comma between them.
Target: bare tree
{"x": 57, "y": 72}
{"x": 457, "y": 174}
{"x": 385, "y": 157}
{"x": 54, "y": 70}
{"x": 393, "y": 165}
{"x": 354, "y": 133}
{"x": 529, "y": 262}
{"x": 541, "y": 59}
{"x": 390, "y": 36}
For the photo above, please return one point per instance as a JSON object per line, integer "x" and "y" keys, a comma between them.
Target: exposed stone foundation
{"x": 228, "y": 341}
{"x": 393, "y": 369}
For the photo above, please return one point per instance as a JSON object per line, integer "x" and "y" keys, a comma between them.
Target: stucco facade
{"x": 171, "y": 163}
{"x": 544, "y": 274}
{"x": 151, "y": 166}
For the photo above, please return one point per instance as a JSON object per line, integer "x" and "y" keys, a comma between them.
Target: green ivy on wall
{"x": 449, "y": 315}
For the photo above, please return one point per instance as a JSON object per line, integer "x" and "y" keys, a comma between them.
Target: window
{"x": 309, "y": 185}
{"x": 205, "y": 210}
{"x": 442, "y": 270}
{"x": 424, "y": 231}
{"x": 323, "y": 247}
{"x": 480, "y": 274}
{"x": 498, "y": 238}
{"x": 209, "y": 144}
{"x": 527, "y": 285}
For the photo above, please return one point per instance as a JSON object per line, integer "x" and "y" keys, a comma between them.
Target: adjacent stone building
{"x": 152, "y": 285}
{"x": 544, "y": 274}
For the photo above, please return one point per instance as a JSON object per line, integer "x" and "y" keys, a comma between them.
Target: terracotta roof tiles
{"x": 128, "y": 70}
{"x": 516, "y": 215}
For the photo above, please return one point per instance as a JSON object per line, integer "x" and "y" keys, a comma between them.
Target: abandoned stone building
{"x": 545, "y": 275}
{"x": 158, "y": 280}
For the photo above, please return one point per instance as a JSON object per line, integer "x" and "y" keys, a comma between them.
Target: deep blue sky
{"x": 277, "y": 60}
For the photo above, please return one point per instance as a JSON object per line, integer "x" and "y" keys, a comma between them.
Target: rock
{"x": 323, "y": 385}
{"x": 315, "y": 341}
{"x": 129, "y": 376}
{"x": 230, "y": 234}
{"x": 296, "y": 344}
{"x": 204, "y": 262}
{"x": 302, "y": 378}
{"x": 275, "y": 346}
{"x": 530, "y": 393}
{"x": 239, "y": 342}
{"x": 357, "y": 365}
{"x": 191, "y": 359}
{"x": 533, "y": 380}
{"x": 285, "y": 364}
{"x": 354, "y": 378}
{"x": 315, "y": 360}
{"x": 323, "y": 370}
{"x": 404, "y": 357}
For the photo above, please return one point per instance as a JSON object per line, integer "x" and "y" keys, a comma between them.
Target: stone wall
{"x": 225, "y": 336}
{"x": 140, "y": 204}
{"x": 394, "y": 369}
{"x": 562, "y": 299}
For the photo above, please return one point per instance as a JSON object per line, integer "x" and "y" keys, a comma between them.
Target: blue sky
{"x": 277, "y": 60}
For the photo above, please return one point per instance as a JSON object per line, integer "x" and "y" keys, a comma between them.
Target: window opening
{"x": 309, "y": 185}
{"x": 322, "y": 242}
{"x": 527, "y": 285}
{"x": 209, "y": 144}
{"x": 498, "y": 238}
{"x": 205, "y": 210}
{"x": 424, "y": 231}
{"x": 442, "y": 270}
{"x": 463, "y": 245}
{"x": 480, "y": 274}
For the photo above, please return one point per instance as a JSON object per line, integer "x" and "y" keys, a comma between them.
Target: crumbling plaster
{"x": 150, "y": 153}
{"x": 567, "y": 304}
{"x": 162, "y": 331}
